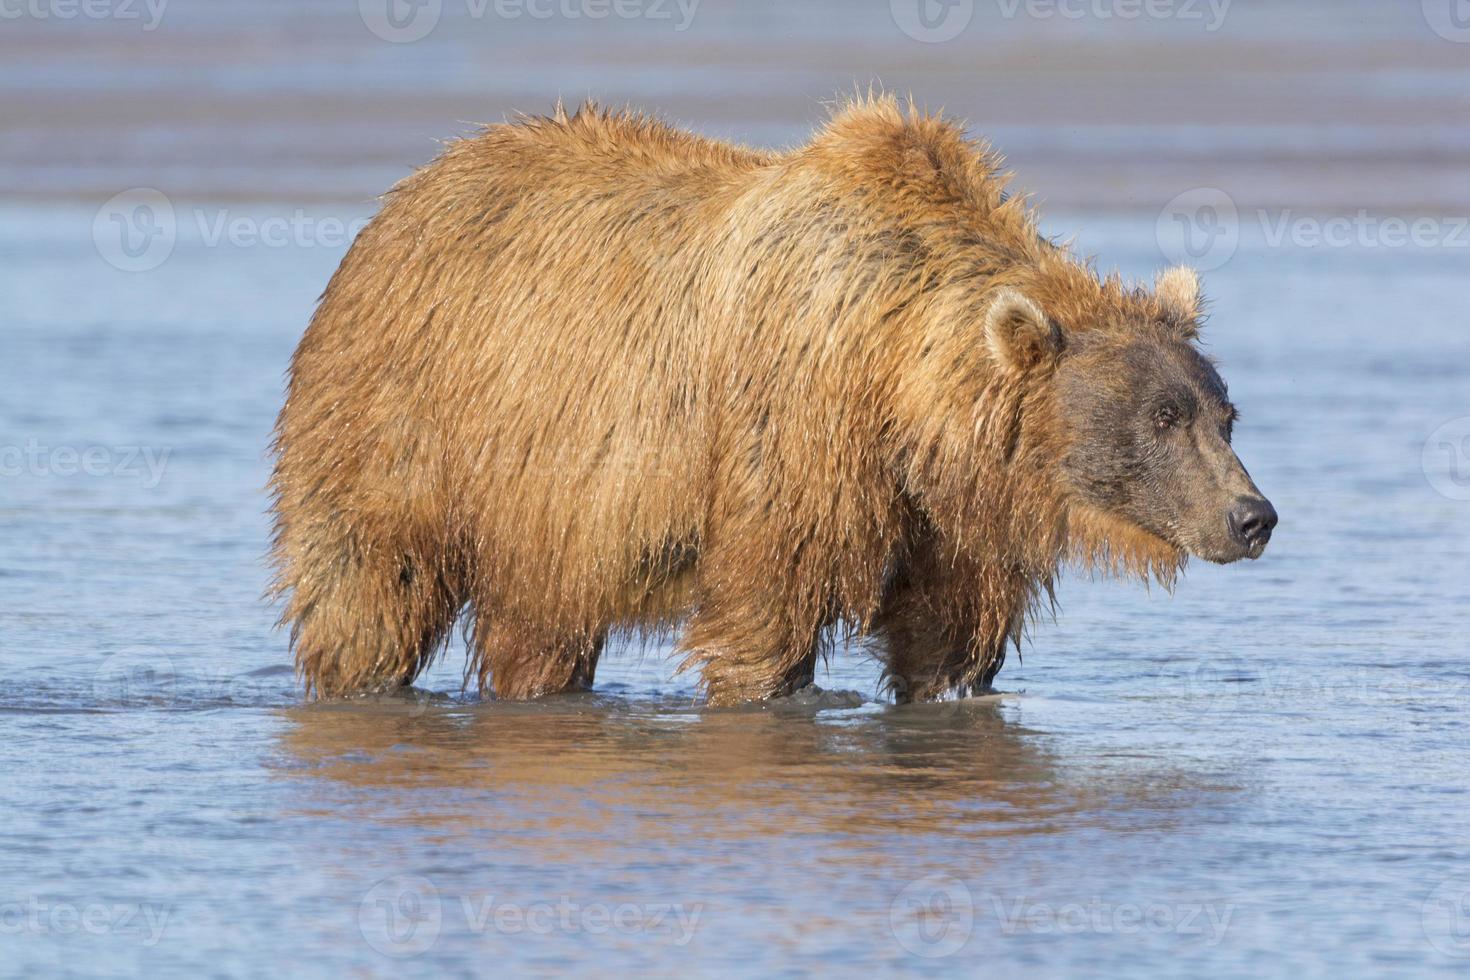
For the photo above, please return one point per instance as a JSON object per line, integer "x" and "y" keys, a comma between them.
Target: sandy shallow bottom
{"x": 1327, "y": 105}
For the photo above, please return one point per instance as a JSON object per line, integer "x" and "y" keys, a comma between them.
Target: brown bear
{"x": 591, "y": 373}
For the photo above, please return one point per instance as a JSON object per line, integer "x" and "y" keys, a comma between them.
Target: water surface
{"x": 1263, "y": 774}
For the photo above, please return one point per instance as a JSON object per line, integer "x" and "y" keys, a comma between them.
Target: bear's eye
{"x": 1167, "y": 417}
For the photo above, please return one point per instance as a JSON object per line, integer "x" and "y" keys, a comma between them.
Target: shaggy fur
{"x": 588, "y": 373}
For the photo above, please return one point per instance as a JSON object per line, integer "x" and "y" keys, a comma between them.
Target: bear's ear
{"x": 1018, "y": 333}
{"x": 1177, "y": 291}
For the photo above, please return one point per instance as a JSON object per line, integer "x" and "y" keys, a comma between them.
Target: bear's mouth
{"x": 1232, "y": 554}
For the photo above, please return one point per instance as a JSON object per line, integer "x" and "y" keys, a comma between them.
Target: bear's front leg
{"x": 946, "y": 624}
{"x": 928, "y": 660}
{"x": 753, "y": 634}
{"x": 521, "y": 662}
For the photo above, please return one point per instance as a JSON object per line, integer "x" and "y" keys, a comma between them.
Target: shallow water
{"x": 1265, "y": 773}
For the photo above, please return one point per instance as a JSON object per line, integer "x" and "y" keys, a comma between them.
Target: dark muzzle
{"x": 1251, "y": 522}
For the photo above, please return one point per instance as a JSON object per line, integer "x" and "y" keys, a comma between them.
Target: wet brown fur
{"x": 589, "y": 373}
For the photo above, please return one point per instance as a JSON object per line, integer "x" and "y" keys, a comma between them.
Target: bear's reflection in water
{"x": 776, "y": 835}
{"x": 567, "y": 778}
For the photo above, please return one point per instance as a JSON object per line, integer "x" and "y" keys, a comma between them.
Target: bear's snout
{"x": 1251, "y": 521}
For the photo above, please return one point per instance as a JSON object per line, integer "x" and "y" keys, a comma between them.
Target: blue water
{"x": 1264, "y": 774}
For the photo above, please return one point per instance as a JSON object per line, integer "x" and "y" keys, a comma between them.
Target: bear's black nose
{"x": 1251, "y": 521}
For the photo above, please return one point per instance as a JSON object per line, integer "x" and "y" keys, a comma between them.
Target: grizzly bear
{"x": 590, "y": 373}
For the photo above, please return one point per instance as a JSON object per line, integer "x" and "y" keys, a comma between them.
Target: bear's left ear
{"x": 1020, "y": 336}
{"x": 1177, "y": 291}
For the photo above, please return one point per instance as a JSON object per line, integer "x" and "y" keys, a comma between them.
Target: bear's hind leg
{"x": 366, "y": 619}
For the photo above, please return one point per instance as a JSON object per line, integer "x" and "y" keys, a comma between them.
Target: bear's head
{"x": 1145, "y": 418}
